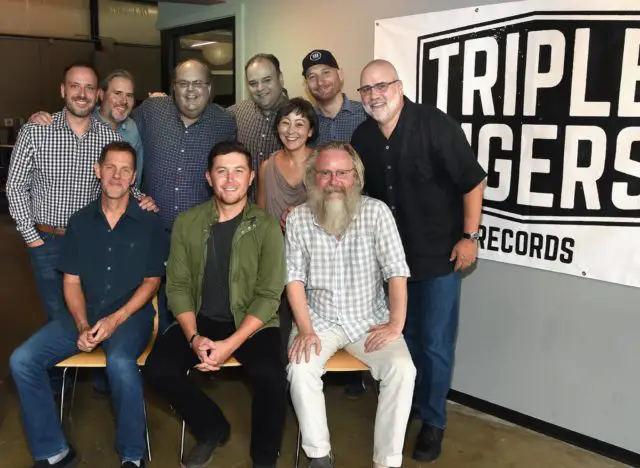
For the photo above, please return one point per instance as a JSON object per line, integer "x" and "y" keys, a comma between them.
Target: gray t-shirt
{"x": 215, "y": 288}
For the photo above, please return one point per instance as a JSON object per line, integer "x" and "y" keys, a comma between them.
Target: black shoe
{"x": 272, "y": 465}
{"x": 130, "y": 464}
{"x": 202, "y": 453}
{"x": 69, "y": 461}
{"x": 428, "y": 444}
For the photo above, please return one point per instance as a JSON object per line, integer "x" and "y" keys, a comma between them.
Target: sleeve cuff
{"x": 296, "y": 276}
{"x": 396, "y": 269}
{"x": 30, "y": 234}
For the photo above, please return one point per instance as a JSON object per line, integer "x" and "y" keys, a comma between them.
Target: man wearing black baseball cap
{"x": 338, "y": 116}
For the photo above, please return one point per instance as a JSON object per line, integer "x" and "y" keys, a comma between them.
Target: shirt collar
{"x": 133, "y": 210}
{"x": 60, "y": 121}
{"x": 206, "y": 113}
{"x": 347, "y": 105}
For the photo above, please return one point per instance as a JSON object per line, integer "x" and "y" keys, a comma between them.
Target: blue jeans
{"x": 53, "y": 343}
{"x": 430, "y": 331}
{"x": 44, "y": 261}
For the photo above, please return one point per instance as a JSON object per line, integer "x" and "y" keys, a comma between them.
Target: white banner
{"x": 548, "y": 94}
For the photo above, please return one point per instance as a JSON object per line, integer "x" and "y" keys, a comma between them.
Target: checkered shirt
{"x": 176, "y": 156}
{"x": 342, "y": 126}
{"x": 51, "y": 173}
{"x": 344, "y": 277}
{"x": 257, "y": 131}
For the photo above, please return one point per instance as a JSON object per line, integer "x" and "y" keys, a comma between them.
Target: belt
{"x": 58, "y": 231}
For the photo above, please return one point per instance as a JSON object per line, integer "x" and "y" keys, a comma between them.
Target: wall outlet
{"x": 8, "y": 122}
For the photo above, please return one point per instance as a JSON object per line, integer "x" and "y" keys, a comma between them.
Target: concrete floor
{"x": 472, "y": 440}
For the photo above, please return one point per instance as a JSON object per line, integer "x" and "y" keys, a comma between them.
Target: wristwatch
{"x": 474, "y": 236}
{"x": 193, "y": 337}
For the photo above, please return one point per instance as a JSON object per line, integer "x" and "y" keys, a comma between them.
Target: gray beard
{"x": 334, "y": 214}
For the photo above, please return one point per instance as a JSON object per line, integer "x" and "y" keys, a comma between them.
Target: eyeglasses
{"x": 378, "y": 87}
{"x": 340, "y": 174}
{"x": 198, "y": 84}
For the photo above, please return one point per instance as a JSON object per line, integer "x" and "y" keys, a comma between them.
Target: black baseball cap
{"x": 318, "y": 57}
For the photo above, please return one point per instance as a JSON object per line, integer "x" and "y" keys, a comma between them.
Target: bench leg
{"x": 146, "y": 429}
{"x": 64, "y": 381}
{"x": 73, "y": 391}
{"x": 182, "y": 440}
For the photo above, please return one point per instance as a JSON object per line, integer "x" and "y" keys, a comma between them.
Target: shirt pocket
{"x": 130, "y": 258}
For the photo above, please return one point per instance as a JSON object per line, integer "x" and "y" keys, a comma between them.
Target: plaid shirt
{"x": 342, "y": 126}
{"x": 257, "y": 131}
{"x": 51, "y": 173}
{"x": 176, "y": 156}
{"x": 344, "y": 277}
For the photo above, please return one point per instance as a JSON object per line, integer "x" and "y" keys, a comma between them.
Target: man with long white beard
{"x": 340, "y": 248}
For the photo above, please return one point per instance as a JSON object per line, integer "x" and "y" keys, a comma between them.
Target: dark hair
{"x": 79, "y": 64}
{"x": 226, "y": 147}
{"x": 302, "y": 107}
{"x": 118, "y": 146}
{"x": 119, "y": 73}
{"x": 268, "y": 57}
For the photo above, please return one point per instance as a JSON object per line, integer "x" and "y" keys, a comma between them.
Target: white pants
{"x": 391, "y": 365}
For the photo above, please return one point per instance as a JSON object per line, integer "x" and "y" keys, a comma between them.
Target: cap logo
{"x": 315, "y": 56}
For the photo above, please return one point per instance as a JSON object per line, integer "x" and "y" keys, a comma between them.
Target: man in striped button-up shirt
{"x": 51, "y": 176}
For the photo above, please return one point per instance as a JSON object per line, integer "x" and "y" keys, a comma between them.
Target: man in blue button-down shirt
{"x": 113, "y": 258}
{"x": 178, "y": 133}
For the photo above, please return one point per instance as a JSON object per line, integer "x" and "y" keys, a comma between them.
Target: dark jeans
{"x": 53, "y": 343}
{"x": 261, "y": 359}
{"x": 430, "y": 332}
{"x": 44, "y": 261}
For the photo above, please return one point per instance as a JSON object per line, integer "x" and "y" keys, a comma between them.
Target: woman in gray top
{"x": 280, "y": 179}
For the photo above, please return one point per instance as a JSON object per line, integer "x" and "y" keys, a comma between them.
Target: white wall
{"x": 555, "y": 347}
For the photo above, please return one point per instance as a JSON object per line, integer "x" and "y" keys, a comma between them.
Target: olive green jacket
{"x": 256, "y": 266}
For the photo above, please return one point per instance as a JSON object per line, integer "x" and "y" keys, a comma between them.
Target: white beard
{"x": 334, "y": 214}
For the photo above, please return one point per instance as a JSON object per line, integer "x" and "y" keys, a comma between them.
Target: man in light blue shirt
{"x": 116, "y": 102}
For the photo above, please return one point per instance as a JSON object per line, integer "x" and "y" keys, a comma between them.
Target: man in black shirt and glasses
{"x": 418, "y": 161}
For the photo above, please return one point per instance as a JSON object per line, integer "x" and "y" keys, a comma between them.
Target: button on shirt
{"x": 112, "y": 263}
{"x": 342, "y": 126}
{"x": 176, "y": 156}
{"x": 257, "y": 131}
{"x": 343, "y": 277}
{"x": 51, "y": 173}
{"x": 128, "y": 131}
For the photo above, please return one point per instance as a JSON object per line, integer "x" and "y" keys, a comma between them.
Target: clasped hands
{"x": 90, "y": 337}
{"x": 212, "y": 354}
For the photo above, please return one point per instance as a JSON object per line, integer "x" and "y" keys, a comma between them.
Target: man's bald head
{"x": 379, "y": 66}
{"x": 381, "y": 92}
{"x": 194, "y": 66}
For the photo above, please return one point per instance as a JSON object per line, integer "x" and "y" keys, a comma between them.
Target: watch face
{"x": 471, "y": 235}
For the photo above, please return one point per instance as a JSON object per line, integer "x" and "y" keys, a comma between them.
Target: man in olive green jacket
{"x": 225, "y": 276}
